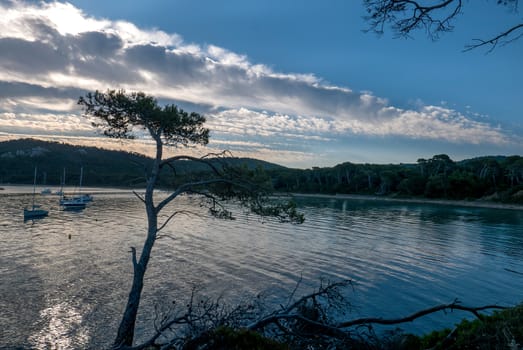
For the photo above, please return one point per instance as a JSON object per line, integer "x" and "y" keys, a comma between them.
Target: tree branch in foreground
{"x": 497, "y": 40}
{"x": 311, "y": 319}
{"x": 435, "y": 17}
{"x": 455, "y": 305}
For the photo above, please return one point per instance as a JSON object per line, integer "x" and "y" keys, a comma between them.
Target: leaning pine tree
{"x": 119, "y": 114}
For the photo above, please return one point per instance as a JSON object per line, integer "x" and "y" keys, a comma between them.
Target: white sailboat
{"x": 34, "y": 212}
{"x": 75, "y": 203}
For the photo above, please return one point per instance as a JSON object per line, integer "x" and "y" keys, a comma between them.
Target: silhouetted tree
{"x": 435, "y": 17}
{"x": 119, "y": 114}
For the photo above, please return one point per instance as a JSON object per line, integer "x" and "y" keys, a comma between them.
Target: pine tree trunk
{"x": 125, "y": 335}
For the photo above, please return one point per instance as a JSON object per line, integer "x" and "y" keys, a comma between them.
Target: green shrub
{"x": 501, "y": 330}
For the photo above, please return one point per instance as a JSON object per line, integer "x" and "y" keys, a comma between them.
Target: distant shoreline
{"x": 9, "y": 190}
{"x": 20, "y": 189}
{"x": 457, "y": 203}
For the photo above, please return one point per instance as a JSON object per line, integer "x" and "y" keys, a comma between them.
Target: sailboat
{"x": 34, "y": 212}
{"x": 86, "y": 197}
{"x": 45, "y": 191}
{"x": 75, "y": 203}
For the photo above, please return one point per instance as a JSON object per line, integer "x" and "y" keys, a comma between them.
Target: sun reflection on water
{"x": 62, "y": 329}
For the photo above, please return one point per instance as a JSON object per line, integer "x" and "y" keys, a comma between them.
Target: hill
{"x": 100, "y": 167}
{"x": 494, "y": 178}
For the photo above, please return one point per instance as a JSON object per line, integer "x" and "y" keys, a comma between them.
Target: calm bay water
{"x": 64, "y": 279}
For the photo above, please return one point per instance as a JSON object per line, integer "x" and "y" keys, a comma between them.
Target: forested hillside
{"x": 494, "y": 178}
{"x": 101, "y": 167}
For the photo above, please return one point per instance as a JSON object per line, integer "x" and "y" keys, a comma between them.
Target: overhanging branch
{"x": 139, "y": 196}
{"x": 497, "y": 40}
{"x": 452, "y": 306}
{"x": 436, "y": 17}
{"x": 190, "y": 187}
{"x": 407, "y": 15}
{"x": 178, "y": 212}
{"x": 338, "y": 329}
{"x": 206, "y": 159}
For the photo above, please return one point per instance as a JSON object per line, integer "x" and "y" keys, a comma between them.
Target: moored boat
{"x": 72, "y": 203}
{"x": 46, "y": 191}
{"x": 34, "y": 212}
{"x": 77, "y": 202}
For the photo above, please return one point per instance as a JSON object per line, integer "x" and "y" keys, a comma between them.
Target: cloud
{"x": 51, "y": 53}
{"x": 430, "y": 122}
{"x": 240, "y": 122}
{"x": 46, "y": 124}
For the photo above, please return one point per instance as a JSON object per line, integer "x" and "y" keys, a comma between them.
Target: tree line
{"x": 495, "y": 178}
{"x": 101, "y": 167}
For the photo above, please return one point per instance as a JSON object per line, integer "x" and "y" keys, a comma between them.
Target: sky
{"x": 298, "y": 83}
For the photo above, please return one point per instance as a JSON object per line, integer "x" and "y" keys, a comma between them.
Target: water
{"x": 65, "y": 278}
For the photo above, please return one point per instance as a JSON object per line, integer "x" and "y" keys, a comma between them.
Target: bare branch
{"x": 293, "y": 313}
{"x": 321, "y": 291}
{"x": 452, "y": 306}
{"x": 151, "y": 341}
{"x": 513, "y": 271}
{"x": 291, "y": 296}
{"x": 495, "y": 41}
{"x": 204, "y": 160}
{"x": 288, "y": 311}
{"x": 222, "y": 213}
{"x": 192, "y": 187}
{"x": 319, "y": 326}
{"x": 133, "y": 254}
{"x": 167, "y": 221}
{"x": 139, "y": 196}
{"x": 186, "y": 212}
{"x": 405, "y": 16}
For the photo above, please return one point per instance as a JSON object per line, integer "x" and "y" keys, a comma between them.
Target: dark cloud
{"x": 149, "y": 57}
{"x": 27, "y": 57}
{"x": 98, "y": 56}
{"x": 172, "y": 68}
{"x": 94, "y": 44}
{"x": 319, "y": 99}
{"x": 111, "y": 73}
{"x": 25, "y": 90}
{"x": 42, "y": 29}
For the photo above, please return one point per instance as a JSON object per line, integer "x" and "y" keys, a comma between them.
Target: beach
{"x": 460, "y": 203}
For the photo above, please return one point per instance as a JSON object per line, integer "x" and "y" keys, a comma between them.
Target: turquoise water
{"x": 64, "y": 278}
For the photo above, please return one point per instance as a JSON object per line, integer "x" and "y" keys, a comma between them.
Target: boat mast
{"x": 34, "y": 188}
{"x": 62, "y": 187}
{"x": 81, "y": 176}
